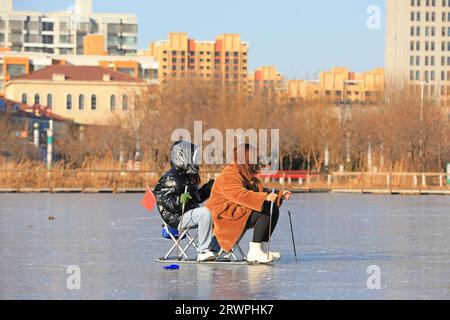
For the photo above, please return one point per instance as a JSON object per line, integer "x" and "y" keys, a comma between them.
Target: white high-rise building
{"x": 418, "y": 45}
{"x": 62, "y": 32}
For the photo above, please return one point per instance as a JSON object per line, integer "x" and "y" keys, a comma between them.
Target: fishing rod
{"x": 183, "y": 208}
{"x": 180, "y": 226}
{"x": 292, "y": 234}
{"x": 270, "y": 226}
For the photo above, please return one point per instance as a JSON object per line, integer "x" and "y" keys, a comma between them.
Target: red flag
{"x": 149, "y": 200}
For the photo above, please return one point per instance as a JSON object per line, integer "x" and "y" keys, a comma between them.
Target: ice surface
{"x": 115, "y": 243}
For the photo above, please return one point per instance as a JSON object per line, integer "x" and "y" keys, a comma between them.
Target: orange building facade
{"x": 339, "y": 85}
{"x": 94, "y": 44}
{"x": 224, "y": 60}
{"x": 265, "y": 80}
{"x": 17, "y": 64}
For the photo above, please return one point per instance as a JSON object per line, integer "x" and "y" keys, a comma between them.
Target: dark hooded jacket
{"x": 183, "y": 172}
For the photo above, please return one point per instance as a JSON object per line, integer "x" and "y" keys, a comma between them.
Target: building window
{"x": 47, "y": 26}
{"x": 124, "y": 102}
{"x": 93, "y": 102}
{"x": 69, "y": 102}
{"x": 81, "y": 102}
{"x": 37, "y": 98}
{"x": 15, "y": 70}
{"x": 112, "y": 103}
{"x": 24, "y": 98}
{"x": 49, "y": 100}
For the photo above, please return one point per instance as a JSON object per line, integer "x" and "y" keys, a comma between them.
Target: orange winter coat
{"x": 231, "y": 205}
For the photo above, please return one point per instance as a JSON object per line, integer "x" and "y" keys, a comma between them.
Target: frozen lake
{"x": 115, "y": 243}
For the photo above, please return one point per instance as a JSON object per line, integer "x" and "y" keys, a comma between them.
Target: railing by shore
{"x": 118, "y": 181}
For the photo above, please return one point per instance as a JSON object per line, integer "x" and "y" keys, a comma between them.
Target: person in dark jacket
{"x": 171, "y": 195}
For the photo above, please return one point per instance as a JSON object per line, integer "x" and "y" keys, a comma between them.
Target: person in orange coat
{"x": 239, "y": 202}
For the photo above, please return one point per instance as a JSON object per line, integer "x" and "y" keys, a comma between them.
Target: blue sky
{"x": 299, "y": 37}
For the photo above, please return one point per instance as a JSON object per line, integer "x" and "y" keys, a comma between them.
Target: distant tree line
{"x": 404, "y": 134}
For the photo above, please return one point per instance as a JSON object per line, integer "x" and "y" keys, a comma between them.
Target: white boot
{"x": 276, "y": 255}
{"x": 206, "y": 256}
{"x": 257, "y": 255}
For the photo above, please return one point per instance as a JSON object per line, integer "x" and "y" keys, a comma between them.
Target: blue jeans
{"x": 201, "y": 218}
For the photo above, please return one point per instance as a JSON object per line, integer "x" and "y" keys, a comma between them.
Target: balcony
{"x": 16, "y": 26}
{"x": 15, "y": 38}
{"x": 29, "y": 38}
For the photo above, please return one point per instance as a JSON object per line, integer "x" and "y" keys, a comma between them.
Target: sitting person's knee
{"x": 205, "y": 213}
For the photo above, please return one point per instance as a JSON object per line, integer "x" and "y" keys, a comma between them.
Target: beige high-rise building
{"x": 418, "y": 46}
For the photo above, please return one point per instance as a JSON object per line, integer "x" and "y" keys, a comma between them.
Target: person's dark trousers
{"x": 260, "y": 222}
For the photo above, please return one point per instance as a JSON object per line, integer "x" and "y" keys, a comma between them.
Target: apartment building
{"x": 418, "y": 46}
{"x": 304, "y": 90}
{"x": 339, "y": 85}
{"x": 224, "y": 60}
{"x": 85, "y": 94}
{"x": 63, "y": 32}
{"x": 265, "y": 80}
{"x": 16, "y": 64}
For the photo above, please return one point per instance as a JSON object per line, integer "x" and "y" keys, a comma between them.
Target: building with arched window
{"x": 86, "y": 94}
{"x": 37, "y": 98}
{"x": 49, "y": 100}
{"x": 93, "y": 102}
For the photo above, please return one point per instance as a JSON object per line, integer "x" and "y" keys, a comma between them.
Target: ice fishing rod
{"x": 292, "y": 234}
{"x": 270, "y": 227}
{"x": 180, "y": 225}
{"x": 183, "y": 208}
